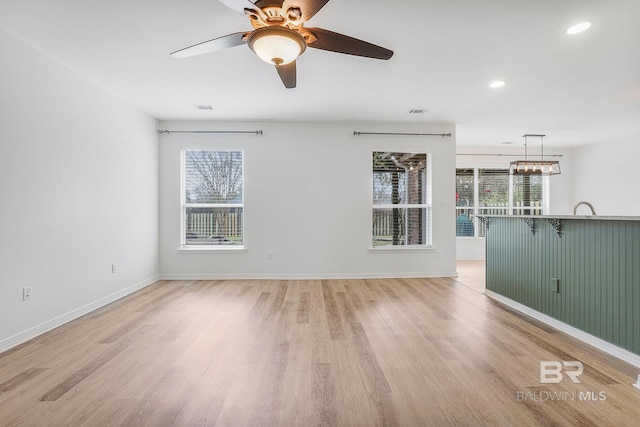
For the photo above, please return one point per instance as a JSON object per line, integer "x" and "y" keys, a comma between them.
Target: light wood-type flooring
{"x": 384, "y": 352}
{"x": 472, "y": 274}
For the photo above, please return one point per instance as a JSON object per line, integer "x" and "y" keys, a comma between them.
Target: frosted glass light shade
{"x": 276, "y": 45}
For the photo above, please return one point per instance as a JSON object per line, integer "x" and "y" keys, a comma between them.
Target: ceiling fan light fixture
{"x": 276, "y": 45}
{"x": 278, "y": 37}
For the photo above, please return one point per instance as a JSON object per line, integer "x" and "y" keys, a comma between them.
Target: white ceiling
{"x": 576, "y": 89}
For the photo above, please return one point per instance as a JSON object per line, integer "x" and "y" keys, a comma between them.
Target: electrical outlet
{"x": 114, "y": 268}
{"x": 26, "y": 293}
{"x": 270, "y": 255}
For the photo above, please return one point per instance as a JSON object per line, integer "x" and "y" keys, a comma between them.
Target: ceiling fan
{"x": 279, "y": 36}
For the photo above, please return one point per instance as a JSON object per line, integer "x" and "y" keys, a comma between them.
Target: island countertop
{"x": 563, "y": 217}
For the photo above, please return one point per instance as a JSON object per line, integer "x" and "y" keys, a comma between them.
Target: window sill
{"x": 426, "y": 249}
{"x": 212, "y": 249}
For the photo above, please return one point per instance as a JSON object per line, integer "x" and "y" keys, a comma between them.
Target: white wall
{"x": 308, "y": 201}
{"x": 607, "y": 175}
{"x": 78, "y": 192}
{"x": 560, "y": 186}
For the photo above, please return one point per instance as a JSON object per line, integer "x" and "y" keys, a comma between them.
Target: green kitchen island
{"x": 580, "y": 271}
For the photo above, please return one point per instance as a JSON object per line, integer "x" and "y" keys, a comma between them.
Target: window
{"x": 465, "y": 202}
{"x": 493, "y": 191}
{"x": 401, "y": 199}
{"x": 486, "y": 191}
{"x": 212, "y": 198}
{"x": 527, "y": 194}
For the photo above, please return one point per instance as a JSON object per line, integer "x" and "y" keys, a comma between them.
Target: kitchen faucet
{"x": 575, "y": 208}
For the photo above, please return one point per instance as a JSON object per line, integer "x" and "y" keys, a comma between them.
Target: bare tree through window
{"x": 213, "y": 197}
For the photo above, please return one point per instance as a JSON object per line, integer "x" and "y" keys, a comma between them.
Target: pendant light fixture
{"x": 534, "y": 167}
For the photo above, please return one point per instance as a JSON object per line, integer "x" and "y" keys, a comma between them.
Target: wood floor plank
{"x": 278, "y": 300}
{"x": 19, "y": 379}
{"x": 375, "y": 352}
{"x": 304, "y": 308}
{"x": 334, "y": 319}
{"x": 323, "y": 394}
{"x": 79, "y": 375}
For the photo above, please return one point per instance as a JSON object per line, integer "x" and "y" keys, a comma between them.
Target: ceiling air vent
{"x": 203, "y": 107}
{"x": 418, "y": 111}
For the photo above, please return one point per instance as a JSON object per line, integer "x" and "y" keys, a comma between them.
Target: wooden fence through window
{"x": 211, "y": 224}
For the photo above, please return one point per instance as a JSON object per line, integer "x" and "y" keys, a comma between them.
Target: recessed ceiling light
{"x": 578, "y": 28}
{"x": 498, "y": 83}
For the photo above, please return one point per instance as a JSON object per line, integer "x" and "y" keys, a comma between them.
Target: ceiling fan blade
{"x": 307, "y": 7}
{"x": 335, "y": 42}
{"x": 239, "y": 5}
{"x": 287, "y": 74}
{"x": 219, "y": 43}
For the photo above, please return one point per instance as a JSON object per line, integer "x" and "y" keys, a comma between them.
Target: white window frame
{"x": 427, "y": 206}
{"x": 184, "y": 205}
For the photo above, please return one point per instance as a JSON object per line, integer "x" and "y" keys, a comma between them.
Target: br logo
{"x": 551, "y": 371}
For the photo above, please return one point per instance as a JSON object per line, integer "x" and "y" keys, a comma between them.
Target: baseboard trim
{"x": 40, "y": 329}
{"x": 599, "y": 343}
{"x": 318, "y": 276}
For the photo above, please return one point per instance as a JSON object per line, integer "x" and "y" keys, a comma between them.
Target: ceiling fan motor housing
{"x": 264, "y": 15}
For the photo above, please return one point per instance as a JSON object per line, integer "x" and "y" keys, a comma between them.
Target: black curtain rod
{"x": 257, "y": 132}
{"x": 507, "y": 155}
{"x": 356, "y": 133}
